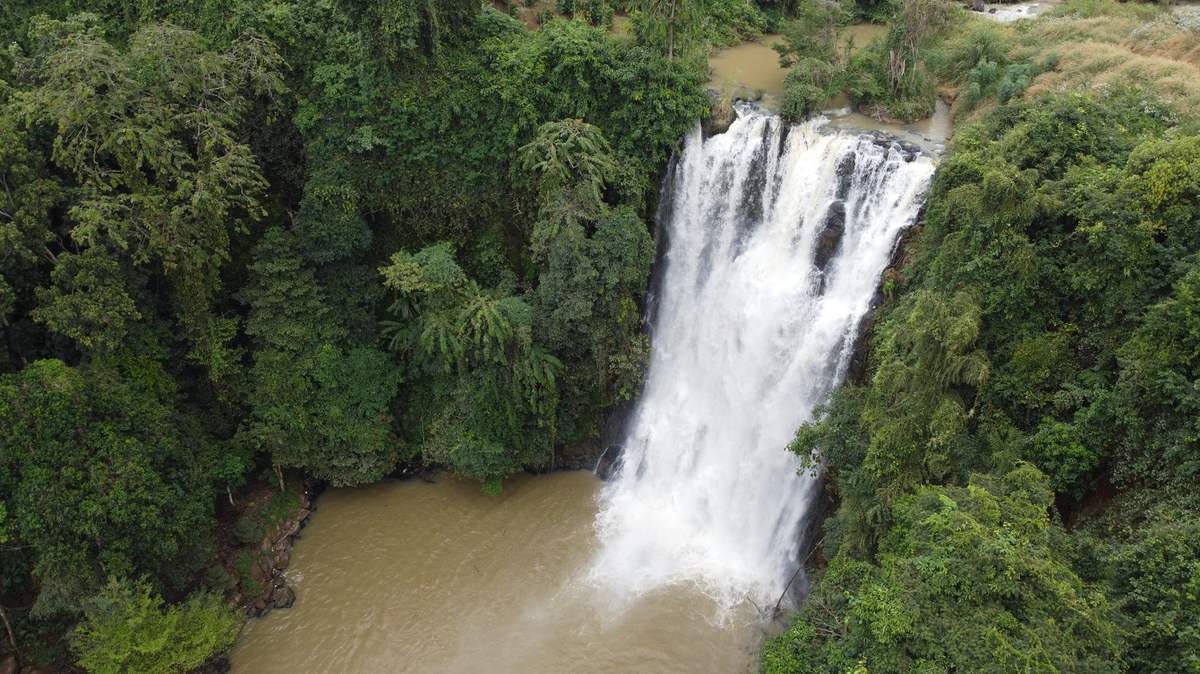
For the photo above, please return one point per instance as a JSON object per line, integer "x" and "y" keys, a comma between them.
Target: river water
{"x": 751, "y": 70}
{"x": 416, "y": 577}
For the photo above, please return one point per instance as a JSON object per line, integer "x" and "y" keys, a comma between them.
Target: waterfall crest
{"x": 776, "y": 237}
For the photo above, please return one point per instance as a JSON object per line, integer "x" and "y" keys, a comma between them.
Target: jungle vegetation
{"x": 333, "y": 238}
{"x": 1014, "y": 474}
{"x": 329, "y": 238}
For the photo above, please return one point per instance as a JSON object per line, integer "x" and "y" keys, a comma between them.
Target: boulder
{"x": 217, "y": 664}
{"x": 283, "y": 557}
{"x": 829, "y": 238}
{"x": 845, "y": 173}
{"x": 716, "y": 124}
{"x": 283, "y": 597}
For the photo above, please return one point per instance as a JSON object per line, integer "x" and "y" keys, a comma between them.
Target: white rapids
{"x": 750, "y": 335}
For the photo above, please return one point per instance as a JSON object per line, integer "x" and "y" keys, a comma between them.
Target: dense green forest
{"x": 247, "y": 243}
{"x": 332, "y": 238}
{"x": 1016, "y": 473}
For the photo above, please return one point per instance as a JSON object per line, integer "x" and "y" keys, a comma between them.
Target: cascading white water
{"x": 776, "y": 239}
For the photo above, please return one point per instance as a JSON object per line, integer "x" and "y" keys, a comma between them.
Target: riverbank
{"x": 752, "y": 72}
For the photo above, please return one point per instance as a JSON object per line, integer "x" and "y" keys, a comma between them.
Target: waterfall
{"x": 776, "y": 237}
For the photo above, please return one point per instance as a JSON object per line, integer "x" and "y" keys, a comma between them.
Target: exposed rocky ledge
{"x": 275, "y": 555}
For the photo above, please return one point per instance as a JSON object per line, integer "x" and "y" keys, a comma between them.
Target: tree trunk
{"x": 11, "y": 638}
{"x": 671, "y": 31}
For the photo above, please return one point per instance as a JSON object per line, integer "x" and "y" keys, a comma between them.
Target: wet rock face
{"x": 721, "y": 115}
{"x": 274, "y": 557}
{"x": 218, "y": 664}
{"x": 830, "y": 237}
{"x": 845, "y": 174}
{"x": 908, "y": 150}
{"x": 608, "y": 462}
{"x": 283, "y": 597}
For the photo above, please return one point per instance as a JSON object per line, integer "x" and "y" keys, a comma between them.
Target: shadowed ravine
{"x": 775, "y": 241}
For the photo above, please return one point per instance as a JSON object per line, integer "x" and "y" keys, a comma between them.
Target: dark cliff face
{"x": 829, "y": 240}
{"x": 857, "y": 372}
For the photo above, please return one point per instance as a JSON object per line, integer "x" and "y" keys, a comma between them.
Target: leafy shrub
{"x": 598, "y": 12}
{"x": 247, "y": 529}
{"x": 244, "y": 564}
{"x": 1145, "y": 551}
{"x": 813, "y": 33}
{"x": 968, "y": 580}
{"x": 808, "y": 84}
{"x": 218, "y": 580}
{"x": 126, "y": 629}
{"x": 1058, "y": 450}
{"x": 728, "y": 22}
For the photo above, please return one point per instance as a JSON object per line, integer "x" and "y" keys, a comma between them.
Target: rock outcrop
{"x": 275, "y": 555}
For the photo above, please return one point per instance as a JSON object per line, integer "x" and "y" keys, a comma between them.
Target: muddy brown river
{"x": 752, "y": 68}
{"x": 417, "y": 577}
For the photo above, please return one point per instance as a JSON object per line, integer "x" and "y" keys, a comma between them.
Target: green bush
{"x": 968, "y": 580}
{"x": 598, "y": 12}
{"x": 218, "y": 580}
{"x": 126, "y": 628}
{"x": 809, "y": 84}
{"x": 247, "y": 529}
{"x": 1048, "y": 317}
{"x": 1145, "y": 550}
{"x": 728, "y": 22}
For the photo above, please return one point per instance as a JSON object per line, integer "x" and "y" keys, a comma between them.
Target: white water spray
{"x": 776, "y": 239}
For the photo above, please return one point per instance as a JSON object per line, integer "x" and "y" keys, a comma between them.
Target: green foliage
{"x": 892, "y": 74}
{"x": 150, "y": 135}
{"x": 670, "y": 26}
{"x": 126, "y": 629}
{"x": 808, "y": 84}
{"x": 598, "y": 13}
{"x": 408, "y": 28}
{"x": 251, "y": 527}
{"x": 88, "y": 301}
{"x": 243, "y": 564}
{"x": 1048, "y": 317}
{"x": 570, "y": 161}
{"x": 1155, "y": 401}
{"x": 984, "y": 62}
{"x": 104, "y": 478}
{"x": 1145, "y": 551}
{"x": 812, "y": 33}
{"x": 314, "y": 402}
{"x": 489, "y": 399}
{"x": 969, "y": 580}
{"x": 728, "y": 22}
{"x": 159, "y": 342}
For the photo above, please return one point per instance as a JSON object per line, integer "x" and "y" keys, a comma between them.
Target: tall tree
{"x": 315, "y": 403}
{"x": 487, "y": 401}
{"x": 105, "y": 478}
{"x": 150, "y": 134}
